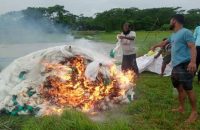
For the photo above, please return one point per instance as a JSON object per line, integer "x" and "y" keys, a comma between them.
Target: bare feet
{"x": 179, "y": 109}
{"x": 192, "y": 118}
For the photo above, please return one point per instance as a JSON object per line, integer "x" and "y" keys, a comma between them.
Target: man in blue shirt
{"x": 197, "y": 39}
{"x": 183, "y": 57}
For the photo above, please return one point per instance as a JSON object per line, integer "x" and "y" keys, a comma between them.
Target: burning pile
{"x": 50, "y": 80}
{"x": 67, "y": 86}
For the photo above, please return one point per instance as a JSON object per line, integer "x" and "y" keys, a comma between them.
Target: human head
{"x": 164, "y": 39}
{"x": 177, "y": 20}
{"x": 126, "y": 27}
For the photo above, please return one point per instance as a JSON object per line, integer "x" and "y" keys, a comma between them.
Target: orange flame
{"x": 67, "y": 85}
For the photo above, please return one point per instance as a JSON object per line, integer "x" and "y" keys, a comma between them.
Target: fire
{"x": 67, "y": 86}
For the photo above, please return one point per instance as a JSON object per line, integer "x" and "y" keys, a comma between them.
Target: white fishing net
{"x": 20, "y": 81}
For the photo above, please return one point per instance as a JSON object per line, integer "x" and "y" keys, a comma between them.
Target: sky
{"x": 90, "y": 7}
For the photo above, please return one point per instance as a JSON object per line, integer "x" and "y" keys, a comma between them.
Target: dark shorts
{"x": 129, "y": 63}
{"x": 167, "y": 59}
{"x": 180, "y": 76}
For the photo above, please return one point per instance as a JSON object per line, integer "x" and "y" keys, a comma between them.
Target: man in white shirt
{"x": 127, "y": 42}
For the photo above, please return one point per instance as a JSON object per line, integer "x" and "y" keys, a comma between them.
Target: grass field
{"x": 150, "y": 111}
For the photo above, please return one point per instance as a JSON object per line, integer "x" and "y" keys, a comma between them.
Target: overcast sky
{"x": 90, "y": 7}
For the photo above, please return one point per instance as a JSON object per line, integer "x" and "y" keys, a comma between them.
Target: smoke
{"x": 21, "y": 34}
{"x": 15, "y": 27}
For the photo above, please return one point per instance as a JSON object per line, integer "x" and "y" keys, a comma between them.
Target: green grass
{"x": 69, "y": 120}
{"x": 150, "y": 111}
{"x": 155, "y": 100}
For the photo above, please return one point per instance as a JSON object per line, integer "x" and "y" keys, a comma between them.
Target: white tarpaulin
{"x": 146, "y": 62}
{"x": 149, "y": 63}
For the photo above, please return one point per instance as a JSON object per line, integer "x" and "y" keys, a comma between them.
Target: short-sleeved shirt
{"x": 179, "y": 42}
{"x": 166, "y": 50}
{"x": 197, "y": 35}
{"x": 128, "y": 46}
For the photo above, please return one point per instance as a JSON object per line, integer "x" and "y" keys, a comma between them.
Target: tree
{"x": 56, "y": 18}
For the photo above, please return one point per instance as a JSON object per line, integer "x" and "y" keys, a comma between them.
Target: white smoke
{"x": 16, "y": 28}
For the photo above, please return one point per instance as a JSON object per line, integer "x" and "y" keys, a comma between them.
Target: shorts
{"x": 180, "y": 76}
{"x": 129, "y": 63}
{"x": 167, "y": 59}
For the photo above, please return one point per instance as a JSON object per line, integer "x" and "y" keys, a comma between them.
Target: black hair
{"x": 179, "y": 18}
{"x": 129, "y": 26}
{"x": 125, "y": 24}
{"x": 164, "y": 39}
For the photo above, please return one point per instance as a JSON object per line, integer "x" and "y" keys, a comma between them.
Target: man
{"x": 184, "y": 64}
{"x": 197, "y": 39}
{"x": 166, "y": 53}
{"x": 127, "y": 42}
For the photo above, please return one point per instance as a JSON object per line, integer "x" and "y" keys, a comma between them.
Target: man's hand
{"x": 121, "y": 37}
{"x": 192, "y": 67}
{"x": 153, "y": 48}
{"x": 161, "y": 44}
{"x": 155, "y": 57}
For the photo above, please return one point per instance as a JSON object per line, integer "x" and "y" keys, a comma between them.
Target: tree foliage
{"x": 110, "y": 20}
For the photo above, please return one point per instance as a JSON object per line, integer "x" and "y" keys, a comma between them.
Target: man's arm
{"x": 159, "y": 53}
{"x": 131, "y": 36}
{"x": 161, "y": 44}
{"x": 192, "y": 65}
{"x": 128, "y": 38}
{"x": 195, "y": 33}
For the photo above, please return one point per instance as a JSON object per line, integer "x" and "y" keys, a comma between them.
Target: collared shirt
{"x": 180, "y": 50}
{"x": 128, "y": 46}
{"x": 197, "y": 35}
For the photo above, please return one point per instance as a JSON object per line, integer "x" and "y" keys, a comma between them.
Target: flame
{"x": 66, "y": 84}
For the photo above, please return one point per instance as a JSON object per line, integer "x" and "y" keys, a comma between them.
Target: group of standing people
{"x": 183, "y": 49}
